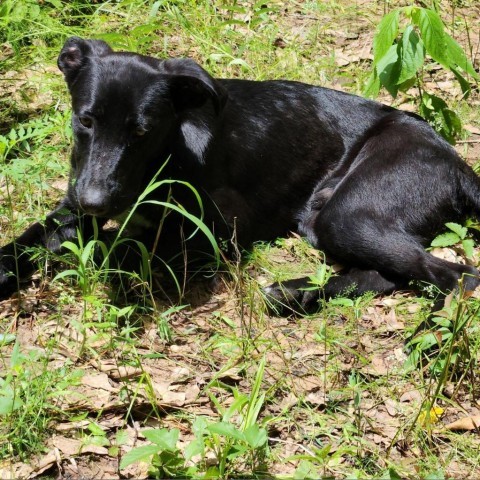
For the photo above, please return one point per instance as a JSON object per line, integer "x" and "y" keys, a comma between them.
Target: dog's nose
{"x": 93, "y": 202}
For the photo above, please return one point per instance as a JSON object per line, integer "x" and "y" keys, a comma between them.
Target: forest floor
{"x": 337, "y": 393}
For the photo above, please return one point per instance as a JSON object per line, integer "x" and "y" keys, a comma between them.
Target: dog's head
{"x": 127, "y": 111}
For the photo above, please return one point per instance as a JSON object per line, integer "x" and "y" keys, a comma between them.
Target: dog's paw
{"x": 292, "y": 297}
{"x": 8, "y": 280}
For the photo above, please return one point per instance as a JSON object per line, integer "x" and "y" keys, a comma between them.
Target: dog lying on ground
{"x": 369, "y": 185}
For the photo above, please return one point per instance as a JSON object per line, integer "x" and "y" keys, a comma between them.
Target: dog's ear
{"x": 76, "y": 52}
{"x": 191, "y": 86}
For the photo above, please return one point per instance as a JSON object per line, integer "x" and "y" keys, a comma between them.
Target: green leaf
{"x": 412, "y": 55}
{"x": 96, "y": 429}
{"x": 437, "y": 113}
{"x": 464, "y": 85}
{"x": 372, "y": 88}
{"x": 445, "y": 240}
{"x": 468, "y": 245}
{"x": 433, "y": 34}
{"x": 458, "y": 229}
{"x": 457, "y": 57}
{"x": 388, "y": 70}
{"x": 195, "y": 447}
{"x": 342, "y": 302}
{"x": 9, "y": 404}
{"x": 227, "y": 430}
{"x": 139, "y": 454}
{"x": 6, "y": 338}
{"x": 164, "y": 438}
{"x": 387, "y": 31}
{"x": 255, "y": 436}
{"x": 306, "y": 470}
{"x": 393, "y": 475}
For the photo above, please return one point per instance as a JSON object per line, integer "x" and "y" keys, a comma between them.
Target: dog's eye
{"x": 86, "y": 121}
{"x": 140, "y": 131}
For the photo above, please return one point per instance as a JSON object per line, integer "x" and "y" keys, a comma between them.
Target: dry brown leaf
{"x": 68, "y": 446}
{"x": 191, "y": 393}
{"x": 119, "y": 372}
{"x": 11, "y": 471}
{"x": 379, "y": 366}
{"x": 176, "y": 399}
{"x": 392, "y": 407}
{"x": 98, "y": 381}
{"x": 392, "y": 323}
{"x": 306, "y": 384}
{"x": 411, "y": 396}
{"x": 44, "y": 463}
{"x": 180, "y": 374}
{"x": 466, "y": 423}
{"x": 65, "y": 427}
{"x": 472, "y": 129}
{"x": 230, "y": 374}
{"x": 96, "y": 449}
{"x": 311, "y": 350}
{"x": 316, "y": 398}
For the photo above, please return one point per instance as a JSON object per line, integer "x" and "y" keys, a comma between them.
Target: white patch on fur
{"x": 197, "y": 137}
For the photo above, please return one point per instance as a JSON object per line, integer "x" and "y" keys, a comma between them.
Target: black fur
{"x": 369, "y": 185}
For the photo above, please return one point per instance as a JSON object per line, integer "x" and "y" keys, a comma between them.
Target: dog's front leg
{"x": 16, "y": 258}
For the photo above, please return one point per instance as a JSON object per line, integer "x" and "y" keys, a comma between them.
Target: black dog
{"x": 369, "y": 185}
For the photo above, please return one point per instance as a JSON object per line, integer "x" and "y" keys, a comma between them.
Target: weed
{"x": 399, "y": 67}
{"x": 30, "y": 397}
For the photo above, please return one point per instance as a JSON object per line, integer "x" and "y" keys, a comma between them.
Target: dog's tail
{"x": 470, "y": 190}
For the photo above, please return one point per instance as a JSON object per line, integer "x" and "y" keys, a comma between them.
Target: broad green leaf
{"x": 255, "y": 436}
{"x": 387, "y": 31}
{"x": 342, "y": 302}
{"x": 433, "y": 34}
{"x": 437, "y": 475}
{"x": 306, "y": 470}
{"x": 458, "y": 229}
{"x": 372, "y": 88}
{"x": 468, "y": 245}
{"x": 139, "y": 454}
{"x": 164, "y": 438}
{"x": 457, "y": 57}
{"x": 452, "y": 125}
{"x": 393, "y": 475}
{"x": 9, "y": 404}
{"x": 412, "y": 54}
{"x": 195, "y": 447}
{"x": 96, "y": 429}
{"x": 436, "y": 112}
{"x": 464, "y": 85}
{"x": 66, "y": 273}
{"x": 6, "y": 338}
{"x": 388, "y": 70}
{"x": 227, "y": 430}
{"x": 445, "y": 240}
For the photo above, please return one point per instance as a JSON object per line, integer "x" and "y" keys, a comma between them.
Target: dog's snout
{"x": 93, "y": 201}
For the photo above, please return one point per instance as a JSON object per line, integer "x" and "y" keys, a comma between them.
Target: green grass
{"x": 335, "y": 393}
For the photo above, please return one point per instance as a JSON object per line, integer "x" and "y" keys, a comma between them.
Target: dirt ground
{"x": 163, "y": 383}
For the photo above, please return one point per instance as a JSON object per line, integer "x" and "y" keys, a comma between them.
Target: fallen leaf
{"x": 466, "y": 423}
{"x": 65, "y": 427}
{"x": 391, "y": 407}
{"x": 96, "y": 449}
{"x": 68, "y": 446}
{"x": 176, "y": 399}
{"x": 411, "y": 396}
{"x": 472, "y": 129}
{"x": 316, "y": 398}
{"x": 98, "y": 381}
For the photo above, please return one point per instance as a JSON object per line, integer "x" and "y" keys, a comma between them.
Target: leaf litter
{"x": 308, "y": 376}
